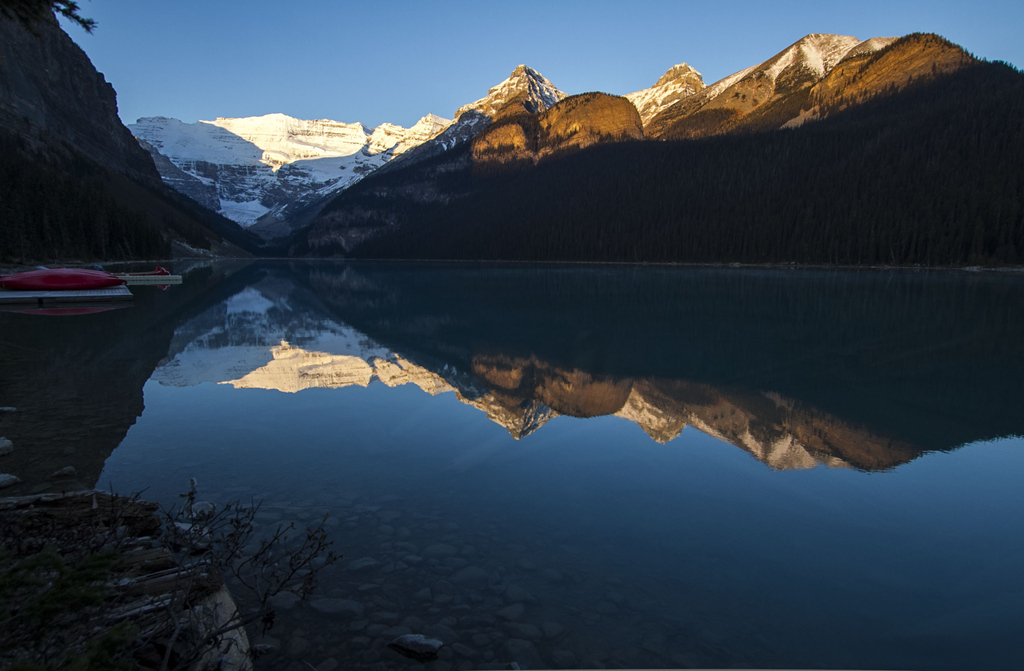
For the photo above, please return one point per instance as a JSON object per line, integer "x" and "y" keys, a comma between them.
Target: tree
{"x": 32, "y": 11}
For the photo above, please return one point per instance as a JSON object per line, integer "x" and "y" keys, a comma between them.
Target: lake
{"x": 573, "y": 467}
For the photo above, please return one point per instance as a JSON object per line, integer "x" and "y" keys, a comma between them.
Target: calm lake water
{"x": 574, "y": 467}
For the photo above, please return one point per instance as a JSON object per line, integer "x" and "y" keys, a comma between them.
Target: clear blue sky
{"x": 396, "y": 61}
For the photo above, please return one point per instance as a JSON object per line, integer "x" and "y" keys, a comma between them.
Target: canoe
{"x": 60, "y": 279}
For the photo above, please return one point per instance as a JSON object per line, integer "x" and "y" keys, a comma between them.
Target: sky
{"x": 397, "y": 61}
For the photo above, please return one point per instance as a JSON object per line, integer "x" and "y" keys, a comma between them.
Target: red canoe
{"x": 60, "y": 279}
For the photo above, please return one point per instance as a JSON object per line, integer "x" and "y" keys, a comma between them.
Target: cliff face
{"x": 50, "y": 93}
{"x": 574, "y": 123}
{"x": 60, "y": 134}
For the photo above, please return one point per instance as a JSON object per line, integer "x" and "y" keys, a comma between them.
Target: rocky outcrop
{"x": 574, "y": 123}
{"x": 52, "y": 96}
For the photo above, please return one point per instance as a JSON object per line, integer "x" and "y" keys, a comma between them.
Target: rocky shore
{"x": 85, "y": 577}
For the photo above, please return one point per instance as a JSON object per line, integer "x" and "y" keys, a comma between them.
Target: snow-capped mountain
{"x": 525, "y": 90}
{"x": 267, "y": 167}
{"x": 680, "y": 81}
{"x": 801, "y": 65}
{"x": 525, "y": 87}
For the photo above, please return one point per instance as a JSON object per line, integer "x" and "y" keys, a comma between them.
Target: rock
{"x": 468, "y": 551}
{"x": 384, "y": 617}
{"x": 523, "y": 653}
{"x": 397, "y": 630}
{"x": 607, "y": 608}
{"x": 416, "y": 646}
{"x": 442, "y": 632}
{"x": 298, "y": 647}
{"x": 329, "y": 664}
{"x": 375, "y": 630}
{"x": 455, "y": 562}
{"x": 551, "y": 629}
{"x": 284, "y": 600}
{"x": 6, "y": 480}
{"x": 441, "y": 550}
{"x": 362, "y": 564}
{"x": 8, "y": 408}
{"x": 513, "y": 612}
{"x": 464, "y": 650}
{"x": 343, "y": 607}
{"x": 517, "y": 594}
{"x": 551, "y": 575}
{"x": 470, "y": 575}
{"x": 358, "y": 625}
{"x": 523, "y": 630}
{"x": 424, "y": 595}
{"x": 564, "y": 659}
{"x": 386, "y": 530}
{"x": 66, "y": 472}
{"x": 412, "y": 559}
{"x": 384, "y": 603}
{"x": 414, "y": 623}
{"x": 6, "y": 447}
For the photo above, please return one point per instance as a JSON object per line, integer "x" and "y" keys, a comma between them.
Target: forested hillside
{"x": 930, "y": 174}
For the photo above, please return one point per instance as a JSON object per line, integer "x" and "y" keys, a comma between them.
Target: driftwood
{"x": 182, "y": 612}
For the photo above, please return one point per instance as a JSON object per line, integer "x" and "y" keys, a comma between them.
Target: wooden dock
{"x": 77, "y": 298}
{"x": 150, "y": 279}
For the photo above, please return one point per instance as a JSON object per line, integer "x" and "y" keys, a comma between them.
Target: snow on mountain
{"x": 807, "y": 60}
{"x": 524, "y": 85}
{"x": 271, "y": 164}
{"x": 680, "y": 81}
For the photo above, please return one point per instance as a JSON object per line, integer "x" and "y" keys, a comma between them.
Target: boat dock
{"x": 149, "y": 279}
{"x": 75, "y": 298}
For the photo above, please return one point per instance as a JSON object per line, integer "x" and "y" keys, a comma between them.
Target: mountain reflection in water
{"x": 867, "y": 370}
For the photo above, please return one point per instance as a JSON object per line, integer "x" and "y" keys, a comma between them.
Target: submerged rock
{"x": 6, "y": 480}
{"x": 344, "y": 607}
{"x": 6, "y": 447}
{"x": 416, "y": 646}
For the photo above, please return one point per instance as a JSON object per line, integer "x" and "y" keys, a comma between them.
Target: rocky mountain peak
{"x": 680, "y": 81}
{"x": 524, "y": 90}
{"x": 681, "y": 73}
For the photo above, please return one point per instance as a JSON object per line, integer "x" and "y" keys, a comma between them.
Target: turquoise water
{"x": 576, "y": 467}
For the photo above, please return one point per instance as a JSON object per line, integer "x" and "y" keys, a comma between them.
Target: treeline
{"x": 931, "y": 175}
{"x": 57, "y": 205}
{"x": 52, "y": 210}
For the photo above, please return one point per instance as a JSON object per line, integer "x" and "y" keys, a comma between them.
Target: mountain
{"x": 679, "y": 82}
{"x": 571, "y": 124}
{"x": 73, "y": 181}
{"x": 263, "y": 172}
{"x": 778, "y": 92}
{"x": 524, "y": 91}
{"x": 859, "y": 186}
